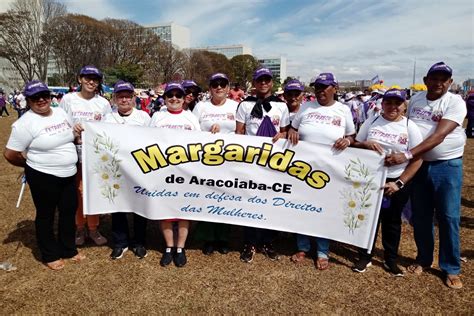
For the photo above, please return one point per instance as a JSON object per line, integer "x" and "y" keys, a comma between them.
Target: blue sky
{"x": 353, "y": 39}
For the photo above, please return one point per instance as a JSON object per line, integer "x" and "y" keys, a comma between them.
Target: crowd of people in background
{"x": 422, "y": 140}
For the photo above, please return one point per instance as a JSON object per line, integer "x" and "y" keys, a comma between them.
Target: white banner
{"x": 242, "y": 180}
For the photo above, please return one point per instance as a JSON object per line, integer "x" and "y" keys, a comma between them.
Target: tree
{"x": 23, "y": 36}
{"x": 243, "y": 67}
{"x": 78, "y": 40}
{"x": 202, "y": 64}
{"x": 132, "y": 73}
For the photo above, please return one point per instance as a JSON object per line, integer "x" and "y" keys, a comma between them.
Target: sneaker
{"x": 167, "y": 257}
{"x": 247, "y": 254}
{"x": 361, "y": 265}
{"x": 208, "y": 248}
{"x": 393, "y": 268}
{"x": 179, "y": 257}
{"x": 118, "y": 252}
{"x": 80, "y": 237}
{"x": 222, "y": 247}
{"x": 270, "y": 252}
{"x": 97, "y": 237}
{"x": 140, "y": 252}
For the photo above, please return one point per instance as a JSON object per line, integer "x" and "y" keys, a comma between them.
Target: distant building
{"x": 355, "y": 85}
{"x": 179, "y": 36}
{"x": 468, "y": 85}
{"x": 276, "y": 64}
{"x": 228, "y": 50}
{"x": 10, "y": 78}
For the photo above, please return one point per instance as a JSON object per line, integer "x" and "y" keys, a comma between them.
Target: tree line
{"x": 41, "y": 34}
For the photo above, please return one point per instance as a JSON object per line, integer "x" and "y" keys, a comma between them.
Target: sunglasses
{"x": 191, "y": 91}
{"x": 178, "y": 95}
{"x": 216, "y": 84}
{"x": 293, "y": 93}
{"x": 264, "y": 78}
{"x": 38, "y": 96}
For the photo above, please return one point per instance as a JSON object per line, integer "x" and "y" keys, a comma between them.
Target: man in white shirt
{"x": 437, "y": 186}
{"x": 270, "y": 113}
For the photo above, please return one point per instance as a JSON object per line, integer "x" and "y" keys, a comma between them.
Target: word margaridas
{"x": 214, "y": 154}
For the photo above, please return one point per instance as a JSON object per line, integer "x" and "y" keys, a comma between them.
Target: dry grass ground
{"x": 216, "y": 284}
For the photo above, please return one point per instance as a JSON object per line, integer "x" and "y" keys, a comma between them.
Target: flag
{"x": 375, "y": 79}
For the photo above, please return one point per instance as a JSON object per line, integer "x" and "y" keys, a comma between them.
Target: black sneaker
{"x": 393, "y": 268}
{"x": 167, "y": 257}
{"x": 118, "y": 252}
{"x": 179, "y": 258}
{"x": 270, "y": 252}
{"x": 361, "y": 265}
{"x": 222, "y": 247}
{"x": 208, "y": 248}
{"x": 247, "y": 254}
{"x": 140, "y": 251}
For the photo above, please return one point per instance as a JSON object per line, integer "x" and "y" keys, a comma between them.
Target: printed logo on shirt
{"x": 176, "y": 126}
{"x": 426, "y": 115}
{"x": 218, "y": 117}
{"x": 390, "y": 138}
{"x": 57, "y": 128}
{"x": 86, "y": 116}
{"x": 276, "y": 120}
{"x": 324, "y": 119}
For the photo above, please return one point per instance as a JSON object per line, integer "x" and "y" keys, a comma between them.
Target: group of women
{"x": 46, "y": 141}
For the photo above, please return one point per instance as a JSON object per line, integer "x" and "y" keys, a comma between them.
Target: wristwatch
{"x": 400, "y": 184}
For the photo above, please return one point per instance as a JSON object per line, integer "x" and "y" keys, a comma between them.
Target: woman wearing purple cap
{"x": 42, "y": 142}
{"x": 329, "y": 122}
{"x": 126, "y": 113}
{"x": 175, "y": 118}
{"x": 216, "y": 115}
{"x": 192, "y": 91}
{"x": 387, "y": 133}
{"x": 81, "y": 106}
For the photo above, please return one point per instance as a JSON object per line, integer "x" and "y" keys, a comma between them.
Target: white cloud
{"x": 98, "y": 9}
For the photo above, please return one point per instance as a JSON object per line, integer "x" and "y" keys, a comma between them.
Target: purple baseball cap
{"x": 440, "y": 67}
{"x": 90, "y": 71}
{"x": 294, "y": 85}
{"x": 262, "y": 72}
{"x": 33, "y": 87}
{"x": 174, "y": 86}
{"x": 123, "y": 86}
{"x": 325, "y": 78}
{"x": 218, "y": 75}
{"x": 395, "y": 94}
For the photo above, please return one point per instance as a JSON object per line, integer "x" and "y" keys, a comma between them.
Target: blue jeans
{"x": 303, "y": 243}
{"x": 437, "y": 191}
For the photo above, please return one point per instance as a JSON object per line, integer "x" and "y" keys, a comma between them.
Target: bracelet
{"x": 348, "y": 141}
{"x": 408, "y": 155}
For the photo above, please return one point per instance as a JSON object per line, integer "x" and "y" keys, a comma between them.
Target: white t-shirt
{"x": 427, "y": 114}
{"x": 393, "y": 137}
{"x": 81, "y": 110}
{"x": 278, "y": 114}
{"x": 48, "y": 142}
{"x": 137, "y": 117}
{"x": 209, "y": 114}
{"x": 323, "y": 124}
{"x": 184, "y": 120}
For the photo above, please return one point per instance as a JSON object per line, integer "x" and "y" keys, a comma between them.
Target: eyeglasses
{"x": 178, "y": 95}
{"x": 263, "y": 78}
{"x": 216, "y": 84}
{"x": 38, "y": 96}
{"x": 191, "y": 91}
{"x": 94, "y": 79}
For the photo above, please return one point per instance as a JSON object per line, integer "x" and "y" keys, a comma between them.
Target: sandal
{"x": 78, "y": 258}
{"x": 453, "y": 281}
{"x": 298, "y": 257}
{"x": 55, "y": 265}
{"x": 416, "y": 268}
{"x": 322, "y": 263}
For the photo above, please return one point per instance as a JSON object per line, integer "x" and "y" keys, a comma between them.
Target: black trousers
{"x": 4, "y": 109}
{"x": 50, "y": 193}
{"x": 259, "y": 236}
{"x": 391, "y": 220}
{"x": 120, "y": 232}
